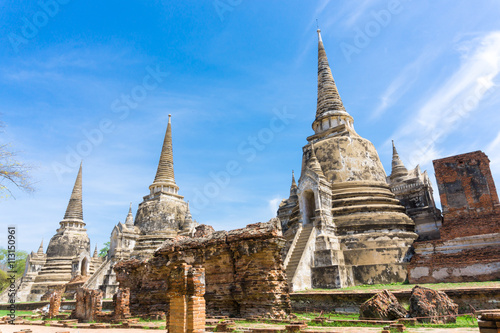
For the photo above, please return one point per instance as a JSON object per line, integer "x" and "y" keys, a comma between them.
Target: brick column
{"x": 196, "y": 300}
{"x": 122, "y": 303}
{"x": 88, "y": 305}
{"x": 55, "y": 304}
{"x": 177, "y": 289}
{"x": 95, "y": 304}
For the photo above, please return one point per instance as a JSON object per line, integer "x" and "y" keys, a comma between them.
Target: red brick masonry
{"x": 470, "y": 209}
{"x": 243, "y": 270}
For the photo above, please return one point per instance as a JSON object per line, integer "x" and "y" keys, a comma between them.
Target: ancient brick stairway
{"x": 298, "y": 250}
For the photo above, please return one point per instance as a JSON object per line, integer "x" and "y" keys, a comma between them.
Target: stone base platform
{"x": 462, "y": 259}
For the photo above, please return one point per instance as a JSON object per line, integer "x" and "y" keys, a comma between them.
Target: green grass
{"x": 141, "y": 320}
{"x": 330, "y": 316}
{"x": 7, "y": 312}
{"x": 403, "y": 286}
{"x": 462, "y": 321}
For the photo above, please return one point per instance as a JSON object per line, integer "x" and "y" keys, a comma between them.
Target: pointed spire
{"x": 329, "y": 101}
{"x": 293, "y": 187}
{"x": 398, "y": 168}
{"x": 75, "y": 210}
{"x": 188, "y": 219}
{"x": 314, "y": 163}
{"x": 40, "y": 249}
{"x": 165, "y": 172}
{"x": 95, "y": 252}
{"x": 188, "y": 216}
{"x": 130, "y": 217}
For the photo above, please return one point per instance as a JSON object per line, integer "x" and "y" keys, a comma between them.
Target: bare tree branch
{"x": 13, "y": 172}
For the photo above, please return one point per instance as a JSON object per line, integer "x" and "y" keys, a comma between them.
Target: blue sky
{"x": 96, "y": 81}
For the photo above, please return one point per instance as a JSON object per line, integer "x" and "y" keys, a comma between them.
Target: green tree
{"x": 19, "y": 263}
{"x": 4, "y": 280}
{"x": 18, "y": 266}
{"x": 104, "y": 251}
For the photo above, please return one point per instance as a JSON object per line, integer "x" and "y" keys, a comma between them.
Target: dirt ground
{"x": 43, "y": 329}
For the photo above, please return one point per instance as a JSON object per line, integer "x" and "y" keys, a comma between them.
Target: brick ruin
{"x": 243, "y": 272}
{"x": 88, "y": 305}
{"x": 121, "y": 303}
{"x": 186, "y": 301}
{"x": 469, "y": 246}
{"x": 54, "y": 304}
{"x": 468, "y": 195}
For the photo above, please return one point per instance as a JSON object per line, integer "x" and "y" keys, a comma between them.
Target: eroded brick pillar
{"x": 54, "y": 304}
{"x": 122, "y": 303}
{"x": 177, "y": 289}
{"x": 186, "y": 288}
{"x": 95, "y": 304}
{"x": 196, "y": 300}
{"x": 88, "y": 304}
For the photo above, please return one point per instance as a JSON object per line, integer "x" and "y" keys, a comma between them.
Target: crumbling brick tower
{"x": 468, "y": 195}
{"x": 469, "y": 247}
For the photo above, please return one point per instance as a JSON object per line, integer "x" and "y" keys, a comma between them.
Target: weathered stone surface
{"x": 413, "y": 189}
{"x": 165, "y": 215}
{"x": 68, "y": 254}
{"x": 243, "y": 271}
{"x": 361, "y": 233}
{"x": 203, "y": 230}
{"x": 431, "y": 306}
{"x": 383, "y": 306}
{"x": 67, "y": 242}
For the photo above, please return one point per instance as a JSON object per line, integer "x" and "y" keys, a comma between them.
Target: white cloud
{"x": 402, "y": 83}
{"x": 453, "y": 101}
{"x": 493, "y": 152}
{"x": 357, "y": 11}
{"x": 274, "y": 204}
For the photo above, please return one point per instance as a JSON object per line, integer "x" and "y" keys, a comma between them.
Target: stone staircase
{"x": 146, "y": 245}
{"x": 96, "y": 279}
{"x": 297, "y": 251}
{"x": 104, "y": 279}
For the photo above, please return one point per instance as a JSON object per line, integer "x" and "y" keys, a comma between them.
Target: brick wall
{"x": 468, "y": 195}
{"x": 243, "y": 271}
{"x": 469, "y": 247}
